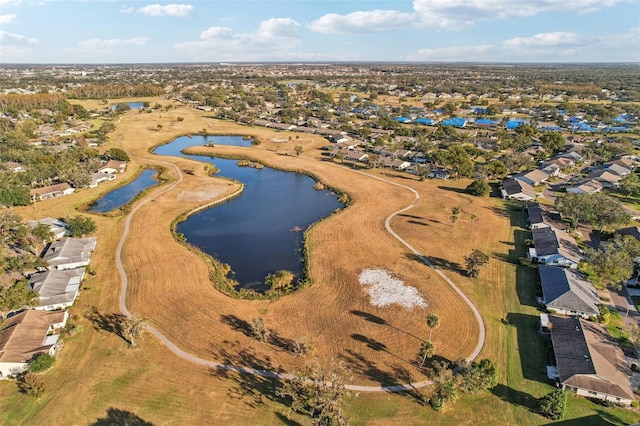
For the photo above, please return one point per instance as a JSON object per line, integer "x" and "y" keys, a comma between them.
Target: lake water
{"x": 254, "y": 233}
{"x": 121, "y": 196}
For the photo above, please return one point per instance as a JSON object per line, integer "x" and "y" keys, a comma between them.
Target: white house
{"x": 57, "y": 289}
{"x": 69, "y": 253}
{"x": 555, "y": 248}
{"x": 565, "y": 291}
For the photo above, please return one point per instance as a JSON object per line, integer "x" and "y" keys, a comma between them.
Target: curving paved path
{"x": 271, "y": 374}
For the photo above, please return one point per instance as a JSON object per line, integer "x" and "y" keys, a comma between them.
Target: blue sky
{"x": 111, "y": 31}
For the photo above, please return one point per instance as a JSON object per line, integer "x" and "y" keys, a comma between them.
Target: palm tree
{"x": 427, "y": 350}
{"x": 433, "y": 321}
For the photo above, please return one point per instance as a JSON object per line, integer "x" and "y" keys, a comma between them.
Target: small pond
{"x": 132, "y": 105}
{"x": 260, "y": 231}
{"x": 121, "y": 196}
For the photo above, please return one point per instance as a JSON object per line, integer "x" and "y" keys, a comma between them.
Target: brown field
{"x": 169, "y": 287}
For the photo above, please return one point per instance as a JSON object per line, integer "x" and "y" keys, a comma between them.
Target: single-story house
{"x": 588, "y": 360}
{"x": 14, "y": 167}
{"x": 98, "y": 178}
{"x": 607, "y": 178}
{"x": 69, "y": 253}
{"x": 555, "y": 248}
{"x": 113, "y": 166}
{"x": 513, "y": 189}
{"x": 588, "y": 186}
{"x": 57, "y": 289}
{"x": 567, "y": 292}
{"x": 27, "y": 334}
{"x": 51, "y": 191}
{"x": 355, "y": 155}
{"x": 534, "y": 177}
{"x": 57, "y": 227}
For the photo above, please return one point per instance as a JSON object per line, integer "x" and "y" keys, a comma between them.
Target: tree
{"x": 602, "y": 211}
{"x": 475, "y": 261}
{"x": 427, "y": 350}
{"x": 612, "y": 262}
{"x": 433, "y": 321}
{"x": 16, "y": 296}
{"x": 259, "y": 330}
{"x": 79, "y": 226}
{"x": 319, "y": 392}
{"x": 30, "y": 385}
{"x": 14, "y": 195}
{"x": 117, "y": 154}
{"x": 497, "y": 169}
{"x": 630, "y": 184}
{"x": 446, "y": 385}
{"x": 553, "y": 404}
{"x": 552, "y": 141}
{"x": 131, "y": 328}
{"x": 479, "y": 376}
{"x": 39, "y": 235}
{"x": 478, "y": 188}
{"x": 298, "y": 149}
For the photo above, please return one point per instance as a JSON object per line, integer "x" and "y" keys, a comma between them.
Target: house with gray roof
{"x": 534, "y": 177}
{"x": 513, "y": 189}
{"x": 57, "y": 289}
{"x": 69, "y": 253}
{"x": 567, "y": 292}
{"x": 588, "y": 360}
{"x": 555, "y": 248}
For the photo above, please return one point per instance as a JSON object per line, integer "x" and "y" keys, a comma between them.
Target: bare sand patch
{"x": 386, "y": 289}
{"x": 199, "y": 196}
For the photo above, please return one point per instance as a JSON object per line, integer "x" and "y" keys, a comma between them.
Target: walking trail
{"x": 271, "y": 374}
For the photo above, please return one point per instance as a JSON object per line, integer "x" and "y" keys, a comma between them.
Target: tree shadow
{"x": 371, "y": 343}
{"x": 410, "y": 215}
{"x": 282, "y": 343}
{"x": 533, "y": 347}
{"x": 452, "y": 189}
{"x": 246, "y": 386}
{"x": 417, "y": 222}
{"x": 237, "y": 324}
{"x": 439, "y": 263}
{"x": 399, "y": 375}
{"x": 287, "y": 421}
{"x": 109, "y": 322}
{"x": 377, "y": 320}
{"x": 515, "y": 397}
{"x": 120, "y": 418}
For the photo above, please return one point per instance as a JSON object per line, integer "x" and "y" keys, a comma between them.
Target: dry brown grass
{"x": 169, "y": 286}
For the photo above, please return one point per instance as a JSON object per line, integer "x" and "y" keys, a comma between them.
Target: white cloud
{"x": 270, "y": 41}
{"x": 167, "y": 10}
{"x": 362, "y": 22}
{"x": 7, "y": 19}
{"x": 127, "y": 9}
{"x": 449, "y": 14}
{"x": 544, "y": 47}
{"x": 9, "y": 2}
{"x": 7, "y": 38}
{"x": 95, "y": 43}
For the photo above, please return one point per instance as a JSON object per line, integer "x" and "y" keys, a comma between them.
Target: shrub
{"x": 30, "y": 385}
{"x": 553, "y": 404}
{"x": 41, "y": 362}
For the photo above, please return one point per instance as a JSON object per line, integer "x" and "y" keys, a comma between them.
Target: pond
{"x": 132, "y": 105}
{"x": 121, "y": 196}
{"x": 260, "y": 231}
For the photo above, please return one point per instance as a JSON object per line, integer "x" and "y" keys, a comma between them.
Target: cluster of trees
{"x": 613, "y": 261}
{"x": 475, "y": 261}
{"x": 115, "y": 90}
{"x": 601, "y": 211}
{"x": 472, "y": 378}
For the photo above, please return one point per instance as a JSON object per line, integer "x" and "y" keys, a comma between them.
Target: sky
{"x": 112, "y": 31}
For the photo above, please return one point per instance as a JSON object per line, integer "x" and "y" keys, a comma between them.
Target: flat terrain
{"x": 98, "y": 377}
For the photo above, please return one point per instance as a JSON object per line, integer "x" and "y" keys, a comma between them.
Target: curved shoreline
{"x": 287, "y": 376}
